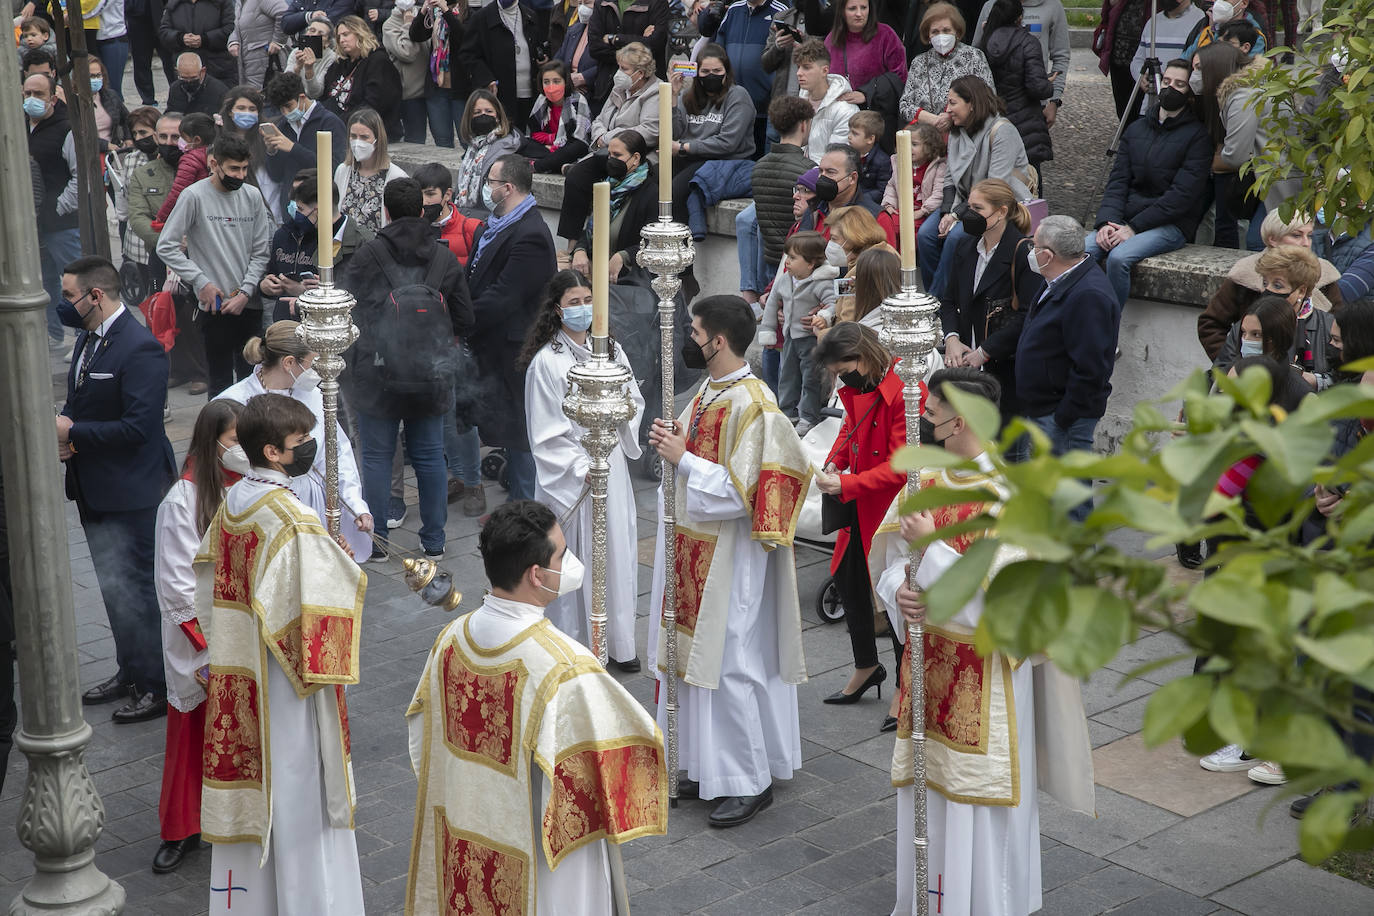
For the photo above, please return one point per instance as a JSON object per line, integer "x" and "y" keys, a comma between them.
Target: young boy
{"x": 875, "y": 165}
{"x": 806, "y": 285}
{"x": 197, "y": 133}
{"x": 823, "y": 90}
{"x": 454, "y": 229}
{"x": 35, "y": 33}
{"x": 283, "y": 603}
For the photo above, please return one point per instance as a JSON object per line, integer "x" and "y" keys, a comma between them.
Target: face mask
{"x": 432, "y": 212}
{"x": 182, "y": 144}
{"x": 230, "y": 182}
{"x": 928, "y": 428}
{"x": 235, "y": 459}
{"x": 577, "y": 317}
{"x": 834, "y": 254}
{"x": 616, "y": 168}
{"x": 308, "y": 380}
{"x": 622, "y": 80}
{"x": 584, "y": 13}
{"x": 854, "y": 379}
{"x": 826, "y": 188}
{"x": 1167, "y": 6}
{"x": 1222, "y": 12}
{"x": 974, "y": 223}
{"x": 291, "y": 210}
{"x": 169, "y": 153}
{"x": 302, "y": 460}
{"x": 1170, "y": 99}
{"x": 405, "y": 6}
{"x": 146, "y": 145}
{"x": 35, "y": 108}
{"x": 943, "y": 44}
{"x": 362, "y": 149}
{"x": 191, "y": 86}
{"x": 694, "y": 355}
{"x": 483, "y": 124}
{"x": 569, "y": 577}
{"x": 554, "y": 93}
{"x": 486, "y": 198}
{"x": 295, "y": 116}
{"x": 1195, "y": 82}
{"x": 712, "y": 82}
{"x": 1251, "y": 348}
{"x": 70, "y": 316}
{"x": 1033, "y": 261}
{"x": 97, "y": 83}
{"x": 246, "y": 119}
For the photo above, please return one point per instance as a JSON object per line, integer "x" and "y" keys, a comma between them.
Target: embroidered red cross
{"x": 939, "y": 893}
{"x": 228, "y": 890}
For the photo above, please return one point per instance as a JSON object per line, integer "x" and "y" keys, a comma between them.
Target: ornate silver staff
{"x": 665, "y": 251}
{"x": 327, "y": 328}
{"x": 597, "y": 400}
{"x": 910, "y": 332}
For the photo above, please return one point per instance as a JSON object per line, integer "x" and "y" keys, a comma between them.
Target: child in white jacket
{"x": 804, "y": 286}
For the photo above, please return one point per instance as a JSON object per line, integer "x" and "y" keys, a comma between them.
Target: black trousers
{"x": 1123, "y": 84}
{"x": 856, "y": 592}
{"x": 122, "y": 545}
{"x": 577, "y": 195}
{"x": 143, "y": 44}
{"x": 187, "y": 357}
{"x": 683, "y": 172}
{"x": 225, "y": 336}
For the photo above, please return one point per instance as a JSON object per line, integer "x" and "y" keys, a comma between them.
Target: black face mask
{"x": 694, "y": 355}
{"x": 303, "y": 459}
{"x": 432, "y": 212}
{"x": 1170, "y": 99}
{"x": 191, "y": 86}
{"x": 616, "y": 168}
{"x": 711, "y": 82}
{"x": 974, "y": 223}
{"x": 928, "y": 432}
{"x": 169, "y": 153}
{"x": 147, "y": 145}
{"x": 230, "y": 183}
{"x": 855, "y": 379}
{"x": 826, "y": 188}
{"x": 483, "y": 125}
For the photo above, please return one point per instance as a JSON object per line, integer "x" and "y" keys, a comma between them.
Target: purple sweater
{"x": 861, "y": 63}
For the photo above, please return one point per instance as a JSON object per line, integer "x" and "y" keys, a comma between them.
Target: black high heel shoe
{"x": 840, "y": 698}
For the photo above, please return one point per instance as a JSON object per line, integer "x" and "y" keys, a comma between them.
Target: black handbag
{"x": 1241, "y": 201}
{"x": 999, "y": 311}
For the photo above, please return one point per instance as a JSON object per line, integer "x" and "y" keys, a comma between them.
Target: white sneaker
{"x": 1230, "y": 759}
{"x": 1267, "y": 773}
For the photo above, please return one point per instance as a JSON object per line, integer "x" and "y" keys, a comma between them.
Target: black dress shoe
{"x": 171, "y": 852}
{"x": 104, "y": 692}
{"x": 840, "y": 698}
{"x": 1189, "y": 555}
{"x": 735, "y": 811}
{"x": 143, "y": 707}
{"x": 687, "y": 788}
{"x": 889, "y": 724}
{"x": 630, "y": 667}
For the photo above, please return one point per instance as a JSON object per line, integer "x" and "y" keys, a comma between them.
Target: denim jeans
{"x": 424, "y": 444}
{"x": 1253, "y": 240}
{"x": 754, "y": 275}
{"x": 462, "y": 450}
{"x": 772, "y": 364}
{"x": 445, "y": 113}
{"x": 1078, "y": 436}
{"x": 799, "y": 391}
{"x": 414, "y": 117}
{"x": 56, "y": 250}
{"x": 1138, "y": 247}
{"x": 936, "y": 254}
{"x": 520, "y": 471}
{"x": 114, "y": 55}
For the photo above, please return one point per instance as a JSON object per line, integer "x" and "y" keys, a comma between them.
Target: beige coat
{"x": 411, "y": 57}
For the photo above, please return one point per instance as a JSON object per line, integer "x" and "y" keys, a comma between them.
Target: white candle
{"x": 906, "y": 200}
{"x": 601, "y": 258}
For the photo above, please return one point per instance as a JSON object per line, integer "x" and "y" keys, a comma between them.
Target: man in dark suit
{"x": 119, "y": 466}
{"x": 1067, "y": 350}
{"x": 513, "y": 260}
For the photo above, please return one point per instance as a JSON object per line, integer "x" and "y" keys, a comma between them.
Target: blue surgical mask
{"x": 1251, "y": 348}
{"x": 486, "y": 198}
{"x": 246, "y": 119}
{"x": 296, "y": 115}
{"x": 577, "y": 317}
{"x": 291, "y": 209}
{"x": 97, "y": 83}
{"x": 35, "y": 108}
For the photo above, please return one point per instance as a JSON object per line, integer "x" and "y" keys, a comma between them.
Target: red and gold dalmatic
{"x": 737, "y": 425}
{"x": 477, "y": 718}
{"x": 971, "y": 743}
{"x": 270, "y": 581}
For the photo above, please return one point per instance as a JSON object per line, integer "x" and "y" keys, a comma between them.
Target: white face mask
{"x": 405, "y": 6}
{"x": 1222, "y": 12}
{"x": 569, "y": 578}
{"x": 943, "y": 43}
{"x": 1195, "y": 82}
{"x": 1033, "y": 261}
{"x": 623, "y": 80}
{"x": 362, "y": 149}
{"x": 308, "y": 380}
{"x": 584, "y": 13}
{"x": 235, "y": 459}
{"x": 834, "y": 254}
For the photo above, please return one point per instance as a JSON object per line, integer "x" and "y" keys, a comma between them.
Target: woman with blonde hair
{"x": 855, "y": 230}
{"x": 362, "y": 76}
{"x": 487, "y": 135}
{"x": 283, "y": 365}
{"x": 367, "y": 167}
{"x": 877, "y": 274}
{"x": 990, "y": 288}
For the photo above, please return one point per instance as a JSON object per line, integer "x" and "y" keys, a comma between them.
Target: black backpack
{"x": 412, "y": 336}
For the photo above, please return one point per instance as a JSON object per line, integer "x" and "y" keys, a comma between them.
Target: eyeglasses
{"x": 493, "y": 182}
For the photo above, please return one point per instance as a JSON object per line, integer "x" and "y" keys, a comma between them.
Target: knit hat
{"x": 808, "y": 179}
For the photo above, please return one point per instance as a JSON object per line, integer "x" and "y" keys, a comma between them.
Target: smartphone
{"x": 219, "y": 304}
{"x": 314, "y": 43}
{"x": 844, "y": 286}
{"x": 686, "y": 67}
{"x": 784, "y": 27}
{"x": 268, "y": 129}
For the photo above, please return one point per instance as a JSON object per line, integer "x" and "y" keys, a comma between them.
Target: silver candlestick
{"x": 666, "y": 251}
{"x": 599, "y": 402}
{"x": 327, "y": 329}
{"x": 910, "y": 331}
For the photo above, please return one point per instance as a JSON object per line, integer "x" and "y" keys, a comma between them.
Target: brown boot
{"x": 474, "y": 502}
{"x": 456, "y": 489}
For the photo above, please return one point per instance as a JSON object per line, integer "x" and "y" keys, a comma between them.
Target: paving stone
{"x": 1296, "y": 887}
{"x": 1063, "y": 864}
{"x": 685, "y": 895}
{"x": 1115, "y": 885}
{"x": 1120, "y": 821}
{"x": 1127, "y": 718}
{"x": 776, "y": 898}
{"x": 1100, "y": 733}
{"x": 1169, "y": 902}
{"x": 663, "y": 863}
{"x": 758, "y": 867}
{"x": 1167, "y": 776}
{"x": 851, "y": 868}
{"x": 1072, "y": 900}
{"x": 1215, "y": 849}
{"x": 1106, "y": 689}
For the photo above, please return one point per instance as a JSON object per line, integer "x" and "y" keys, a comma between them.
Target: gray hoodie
{"x": 797, "y": 298}
{"x": 1046, "y": 21}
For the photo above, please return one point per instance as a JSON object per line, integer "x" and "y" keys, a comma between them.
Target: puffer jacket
{"x": 637, "y": 111}
{"x": 775, "y": 175}
{"x": 831, "y": 121}
{"x": 1159, "y": 175}
{"x": 1018, "y": 66}
{"x": 1239, "y": 291}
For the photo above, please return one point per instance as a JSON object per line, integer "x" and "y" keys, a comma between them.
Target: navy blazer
{"x": 1067, "y": 350}
{"x": 123, "y": 461}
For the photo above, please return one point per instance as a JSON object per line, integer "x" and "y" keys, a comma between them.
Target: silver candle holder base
{"x": 327, "y": 329}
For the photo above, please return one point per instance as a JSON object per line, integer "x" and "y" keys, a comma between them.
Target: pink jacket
{"x": 929, "y": 195}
